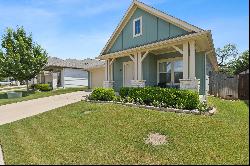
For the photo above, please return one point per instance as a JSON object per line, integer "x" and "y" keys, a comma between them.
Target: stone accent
{"x": 192, "y": 84}
{"x": 108, "y": 84}
{"x": 138, "y": 83}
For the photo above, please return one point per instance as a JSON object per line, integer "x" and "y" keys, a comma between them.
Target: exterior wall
{"x": 153, "y": 29}
{"x": 118, "y": 71}
{"x": 149, "y": 70}
{"x": 75, "y": 77}
{"x": 97, "y": 77}
{"x": 209, "y": 68}
{"x": 200, "y": 70}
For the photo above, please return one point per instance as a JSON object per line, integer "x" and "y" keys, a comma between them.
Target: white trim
{"x": 185, "y": 61}
{"x": 123, "y": 71}
{"x": 178, "y": 49}
{"x": 144, "y": 55}
{"x": 136, "y": 35}
{"x": 172, "y": 67}
{"x": 192, "y": 59}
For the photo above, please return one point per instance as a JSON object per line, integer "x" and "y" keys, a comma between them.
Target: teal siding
{"x": 149, "y": 70}
{"x": 200, "y": 70}
{"x": 118, "y": 72}
{"x": 153, "y": 29}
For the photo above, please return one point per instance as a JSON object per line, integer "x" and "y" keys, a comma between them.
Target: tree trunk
{"x": 27, "y": 84}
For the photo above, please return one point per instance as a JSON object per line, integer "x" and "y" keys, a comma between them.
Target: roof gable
{"x": 135, "y": 5}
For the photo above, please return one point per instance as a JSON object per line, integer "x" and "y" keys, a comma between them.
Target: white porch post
{"x": 185, "y": 60}
{"x": 192, "y": 60}
{"x": 139, "y": 60}
{"x": 108, "y": 83}
{"x": 106, "y": 70}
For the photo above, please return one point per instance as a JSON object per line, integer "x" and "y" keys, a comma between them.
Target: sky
{"x": 79, "y": 29}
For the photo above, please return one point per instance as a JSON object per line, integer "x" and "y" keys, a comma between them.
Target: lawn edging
{"x": 185, "y": 111}
{"x": 1, "y": 156}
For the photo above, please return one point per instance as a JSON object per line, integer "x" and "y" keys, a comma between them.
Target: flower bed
{"x": 154, "y": 98}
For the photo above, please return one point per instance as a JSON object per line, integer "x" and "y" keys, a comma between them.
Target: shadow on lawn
{"x": 25, "y": 94}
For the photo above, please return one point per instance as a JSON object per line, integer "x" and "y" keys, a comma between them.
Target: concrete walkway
{"x": 16, "y": 111}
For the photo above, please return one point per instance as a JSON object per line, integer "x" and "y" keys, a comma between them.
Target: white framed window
{"x": 170, "y": 71}
{"x": 137, "y": 27}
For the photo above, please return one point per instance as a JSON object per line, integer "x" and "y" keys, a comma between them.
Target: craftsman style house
{"x": 151, "y": 48}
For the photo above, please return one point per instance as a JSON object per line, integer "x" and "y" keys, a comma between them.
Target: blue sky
{"x": 80, "y": 28}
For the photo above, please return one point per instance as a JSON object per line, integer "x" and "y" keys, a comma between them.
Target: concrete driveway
{"x": 16, "y": 111}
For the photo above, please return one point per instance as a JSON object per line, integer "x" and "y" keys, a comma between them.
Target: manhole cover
{"x": 156, "y": 139}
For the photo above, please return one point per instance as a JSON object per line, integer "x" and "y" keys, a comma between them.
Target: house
{"x": 65, "y": 73}
{"x": 152, "y": 48}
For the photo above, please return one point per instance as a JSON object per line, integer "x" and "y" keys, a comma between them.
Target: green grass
{"x": 35, "y": 94}
{"x": 114, "y": 134}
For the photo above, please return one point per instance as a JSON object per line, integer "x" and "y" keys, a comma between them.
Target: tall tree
{"x": 225, "y": 56}
{"x": 240, "y": 64}
{"x": 20, "y": 57}
{"x": 228, "y": 53}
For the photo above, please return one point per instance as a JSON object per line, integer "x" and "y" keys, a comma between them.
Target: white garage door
{"x": 75, "y": 77}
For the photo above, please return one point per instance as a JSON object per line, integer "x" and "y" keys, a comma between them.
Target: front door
{"x": 128, "y": 73}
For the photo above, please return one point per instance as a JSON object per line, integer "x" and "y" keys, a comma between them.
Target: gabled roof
{"x": 136, "y": 4}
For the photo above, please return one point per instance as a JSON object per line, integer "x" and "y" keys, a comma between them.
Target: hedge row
{"x": 167, "y": 97}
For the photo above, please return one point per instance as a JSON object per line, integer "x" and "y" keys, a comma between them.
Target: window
{"x": 137, "y": 27}
{"x": 170, "y": 72}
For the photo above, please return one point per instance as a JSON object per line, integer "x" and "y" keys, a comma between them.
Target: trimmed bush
{"x": 166, "y": 97}
{"x": 103, "y": 94}
{"x": 42, "y": 87}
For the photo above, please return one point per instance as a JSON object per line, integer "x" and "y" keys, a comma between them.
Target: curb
{"x": 1, "y": 157}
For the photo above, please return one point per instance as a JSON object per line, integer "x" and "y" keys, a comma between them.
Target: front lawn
{"x": 35, "y": 94}
{"x": 87, "y": 133}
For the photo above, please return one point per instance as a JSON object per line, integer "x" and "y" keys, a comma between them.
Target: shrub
{"x": 124, "y": 92}
{"x": 42, "y": 87}
{"x": 167, "y": 97}
{"x": 103, "y": 94}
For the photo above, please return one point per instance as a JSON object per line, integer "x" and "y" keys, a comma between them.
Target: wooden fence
{"x": 223, "y": 86}
{"x": 243, "y": 87}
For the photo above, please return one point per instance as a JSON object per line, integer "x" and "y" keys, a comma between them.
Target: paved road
{"x": 16, "y": 111}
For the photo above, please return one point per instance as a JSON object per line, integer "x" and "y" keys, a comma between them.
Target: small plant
{"x": 118, "y": 99}
{"x": 42, "y": 87}
{"x": 203, "y": 107}
{"x": 102, "y": 94}
{"x": 156, "y": 103}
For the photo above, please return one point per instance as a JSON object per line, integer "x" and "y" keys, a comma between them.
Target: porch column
{"x": 108, "y": 82}
{"x": 106, "y": 70}
{"x": 185, "y": 60}
{"x": 192, "y": 60}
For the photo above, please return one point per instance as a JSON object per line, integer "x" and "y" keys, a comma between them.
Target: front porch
{"x": 181, "y": 64}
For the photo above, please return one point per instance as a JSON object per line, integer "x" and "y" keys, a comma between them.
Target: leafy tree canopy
{"x": 20, "y": 57}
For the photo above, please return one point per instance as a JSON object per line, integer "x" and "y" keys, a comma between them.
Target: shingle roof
{"x": 74, "y": 63}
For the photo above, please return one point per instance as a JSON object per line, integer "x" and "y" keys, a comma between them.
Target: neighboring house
{"x": 151, "y": 48}
{"x": 65, "y": 73}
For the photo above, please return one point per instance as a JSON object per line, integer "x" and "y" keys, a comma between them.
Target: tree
{"x": 20, "y": 57}
{"x": 226, "y": 55}
{"x": 240, "y": 64}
